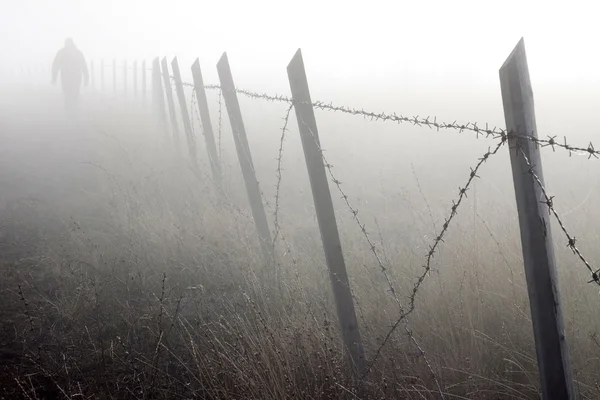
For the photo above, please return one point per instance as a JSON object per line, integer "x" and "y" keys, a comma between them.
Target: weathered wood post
{"x": 92, "y": 74}
{"x": 245, "y": 157}
{"x": 158, "y": 98}
{"x": 115, "y": 75}
{"x": 169, "y": 93}
{"x": 144, "y": 82}
{"x": 102, "y": 74}
{"x": 534, "y": 221}
{"x": 209, "y": 136}
{"x": 125, "y": 77}
{"x": 135, "y": 79}
{"x": 185, "y": 115}
{"x": 325, "y": 214}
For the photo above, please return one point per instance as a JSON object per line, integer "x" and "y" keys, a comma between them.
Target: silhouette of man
{"x": 70, "y": 62}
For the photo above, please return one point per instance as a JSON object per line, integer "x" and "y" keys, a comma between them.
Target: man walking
{"x": 70, "y": 62}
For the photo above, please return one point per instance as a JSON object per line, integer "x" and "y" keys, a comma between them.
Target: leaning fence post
{"x": 169, "y": 93}
{"x": 534, "y": 222}
{"x": 245, "y": 157}
{"x": 325, "y": 213}
{"x": 185, "y": 115}
{"x": 135, "y": 71}
{"x": 206, "y": 123}
{"x": 158, "y": 96}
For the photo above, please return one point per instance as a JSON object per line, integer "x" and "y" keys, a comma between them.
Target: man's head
{"x": 69, "y": 44}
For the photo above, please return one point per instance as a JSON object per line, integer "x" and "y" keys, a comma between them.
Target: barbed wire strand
{"x": 220, "y": 125}
{"x": 278, "y": 172}
{"x": 462, "y": 194}
{"x": 431, "y": 122}
{"x": 373, "y": 249}
{"x": 549, "y": 202}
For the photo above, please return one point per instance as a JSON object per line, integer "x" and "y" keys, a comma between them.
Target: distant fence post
{"x": 144, "y": 82}
{"x": 534, "y": 221}
{"x": 325, "y": 214}
{"x": 135, "y": 71}
{"x": 158, "y": 97}
{"x": 185, "y": 115}
{"x": 245, "y": 157}
{"x": 209, "y": 136}
{"x": 169, "y": 93}
{"x": 92, "y": 74}
{"x": 115, "y": 75}
{"x": 102, "y": 74}
{"x": 125, "y": 77}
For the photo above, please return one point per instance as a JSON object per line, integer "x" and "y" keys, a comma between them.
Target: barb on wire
{"x": 380, "y": 263}
{"x": 279, "y": 169}
{"x": 549, "y": 201}
{"x": 462, "y": 193}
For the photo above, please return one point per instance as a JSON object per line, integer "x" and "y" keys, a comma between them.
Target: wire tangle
{"x": 501, "y": 136}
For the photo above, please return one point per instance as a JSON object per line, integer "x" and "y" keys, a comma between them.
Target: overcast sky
{"x": 432, "y": 40}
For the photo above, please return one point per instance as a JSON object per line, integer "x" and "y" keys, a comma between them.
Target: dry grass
{"x": 150, "y": 286}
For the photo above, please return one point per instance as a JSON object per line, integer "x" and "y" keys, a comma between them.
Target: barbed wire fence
{"x": 500, "y": 136}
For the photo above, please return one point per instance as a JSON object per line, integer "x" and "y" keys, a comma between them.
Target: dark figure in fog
{"x": 70, "y": 62}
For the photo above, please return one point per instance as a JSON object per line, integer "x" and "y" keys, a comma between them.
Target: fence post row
{"x": 169, "y": 93}
{"x": 185, "y": 116}
{"x": 534, "y": 222}
{"x": 209, "y": 136}
{"x": 158, "y": 96}
{"x": 243, "y": 151}
{"x": 325, "y": 213}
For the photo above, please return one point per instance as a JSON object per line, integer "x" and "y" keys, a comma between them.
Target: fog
{"x": 129, "y": 274}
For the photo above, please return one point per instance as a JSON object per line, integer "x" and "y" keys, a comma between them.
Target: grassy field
{"x": 125, "y": 276}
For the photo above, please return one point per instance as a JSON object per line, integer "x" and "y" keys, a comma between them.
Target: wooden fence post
{"x": 158, "y": 98}
{"x": 209, "y": 136}
{"x": 170, "y": 102}
{"x": 115, "y": 75}
{"x": 144, "y": 82}
{"x": 185, "y": 115}
{"x": 245, "y": 157}
{"x": 325, "y": 214}
{"x": 135, "y": 71}
{"x": 92, "y": 74}
{"x": 534, "y": 221}
{"x": 125, "y": 77}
